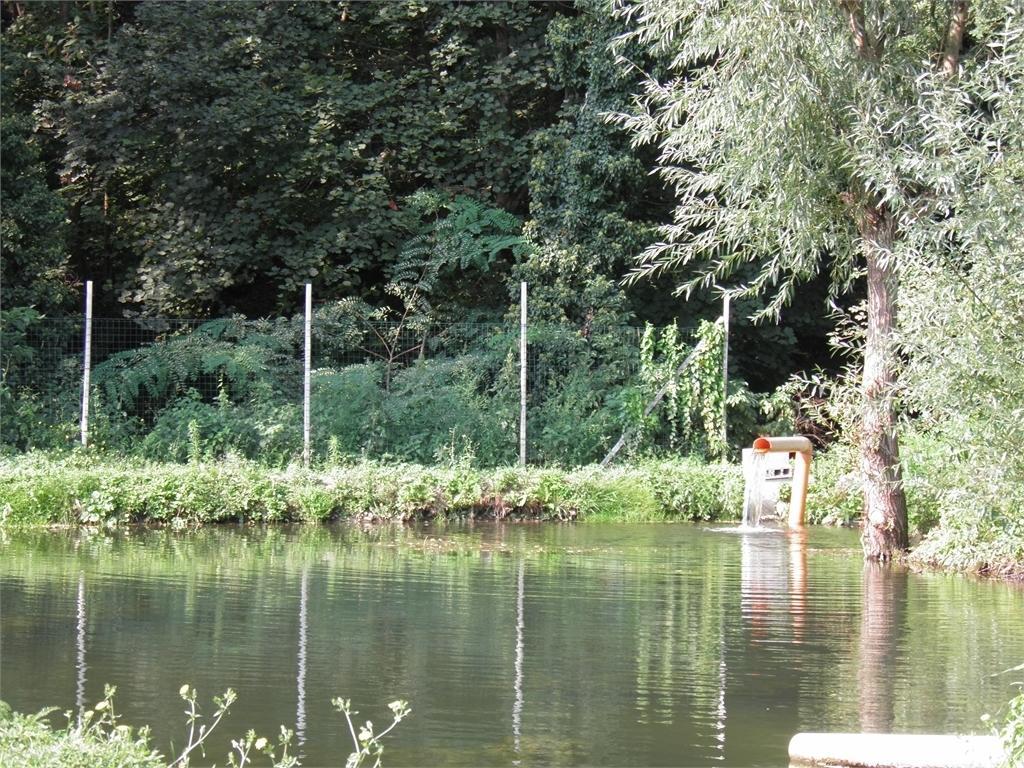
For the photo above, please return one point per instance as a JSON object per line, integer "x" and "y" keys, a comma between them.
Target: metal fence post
{"x": 86, "y": 364}
{"x": 725, "y": 375}
{"x": 305, "y": 374}
{"x": 522, "y": 374}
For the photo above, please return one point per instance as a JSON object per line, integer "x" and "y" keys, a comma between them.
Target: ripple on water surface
{"x": 532, "y": 644}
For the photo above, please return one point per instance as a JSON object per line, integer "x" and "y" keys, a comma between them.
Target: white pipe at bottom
{"x": 894, "y": 750}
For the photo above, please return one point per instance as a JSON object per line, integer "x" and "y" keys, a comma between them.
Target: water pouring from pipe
{"x": 756, "y": 495}
{"x": 767, "y": 464}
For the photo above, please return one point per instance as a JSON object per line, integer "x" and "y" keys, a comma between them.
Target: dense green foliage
{"x": 220, "y": 158}
{"x": 80, "y": 490}
{"x": 30, "y": 741}
{"x": 216, "y": 161}
{"x": 227, "y": 155}
{"x": 405, "y": 388}
{"x": 213, "y": 162}
{"x": 964, "y": 306}
{"x": 835, "y": 498}
{"x": 32, "y": 223}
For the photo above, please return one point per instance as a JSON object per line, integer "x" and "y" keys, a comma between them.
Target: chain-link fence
{"x": 422, "y": 391}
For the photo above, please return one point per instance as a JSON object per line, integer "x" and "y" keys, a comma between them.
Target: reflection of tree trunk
{"x": 885, "y": 506}
{"x": 881, "y": 624}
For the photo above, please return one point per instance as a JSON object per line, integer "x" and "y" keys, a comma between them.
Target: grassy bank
{"x": 36, "y": 489}
{"x": 952, "y": 528}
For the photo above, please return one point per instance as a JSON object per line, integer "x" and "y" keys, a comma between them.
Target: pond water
{"x": 514, "y": 643}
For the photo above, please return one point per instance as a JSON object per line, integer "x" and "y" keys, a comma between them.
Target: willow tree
{"x": 798, "y": 137}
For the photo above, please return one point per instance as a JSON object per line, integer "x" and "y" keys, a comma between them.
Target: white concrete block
{"x": 894, "y": 750}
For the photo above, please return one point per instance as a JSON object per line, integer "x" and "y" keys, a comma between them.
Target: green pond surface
{"x": 532, "y": 644}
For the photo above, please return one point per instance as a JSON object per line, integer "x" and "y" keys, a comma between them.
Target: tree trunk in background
{"x": 885, "y": 505}
{"x": 950, "y": 62}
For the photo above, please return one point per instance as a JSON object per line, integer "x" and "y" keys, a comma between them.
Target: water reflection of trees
{"x": 560, "y": 641}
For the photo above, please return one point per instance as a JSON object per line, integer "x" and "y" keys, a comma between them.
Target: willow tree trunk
{"x": 885, "y": 505}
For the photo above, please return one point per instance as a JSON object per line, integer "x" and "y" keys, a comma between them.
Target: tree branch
{"x": 862, "y": 41}
{"x": 950, "y": 61}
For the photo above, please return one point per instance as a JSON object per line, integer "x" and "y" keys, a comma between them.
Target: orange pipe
{"x": 802, "y": 448}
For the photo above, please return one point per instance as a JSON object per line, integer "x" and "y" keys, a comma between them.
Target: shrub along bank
{"x": 80, "y": 488}
{"x": 955, "y": 522}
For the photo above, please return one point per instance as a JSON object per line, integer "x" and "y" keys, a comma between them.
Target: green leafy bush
{"x": 835, "y": 495}
{"x": 97, "y": 738}
{"x": 574, "y": 424}
{"x": 1012, "y": 731}
{"x": 345, "y": 406}
{"x": 434, "y": 402}
{"x": 30, "y": 741}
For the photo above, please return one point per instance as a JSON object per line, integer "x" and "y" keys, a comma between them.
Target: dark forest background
{"x": 207, "y": 159}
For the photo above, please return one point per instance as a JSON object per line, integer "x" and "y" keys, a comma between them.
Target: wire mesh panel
{"x": 175, "y": 389}
{"x": 416, "y": 392}
{"x": 440, "y": 392}
{"x": 40, "y": 381}
{"x": 578, "y": 379}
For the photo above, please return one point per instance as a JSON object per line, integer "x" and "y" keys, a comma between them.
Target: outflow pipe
{"x": 802, "y": 448}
